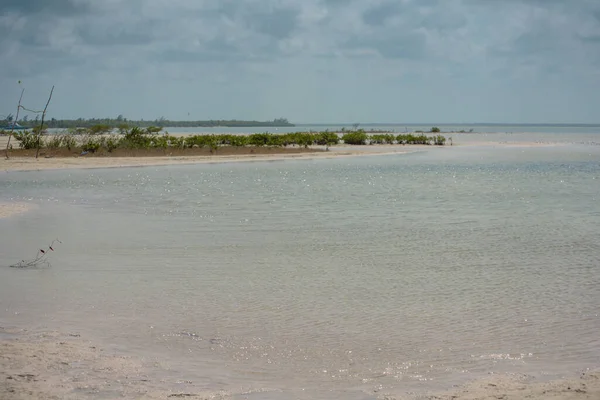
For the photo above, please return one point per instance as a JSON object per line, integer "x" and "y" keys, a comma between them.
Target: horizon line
{"x": 456, "y": 123}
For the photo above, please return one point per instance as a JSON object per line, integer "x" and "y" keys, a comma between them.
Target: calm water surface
{"x": 341, "y": 278}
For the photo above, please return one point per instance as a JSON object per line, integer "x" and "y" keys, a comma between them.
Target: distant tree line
{"x": 161, "y": 122}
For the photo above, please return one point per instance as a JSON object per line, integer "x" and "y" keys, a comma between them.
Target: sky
{"x": 311, "y": 61}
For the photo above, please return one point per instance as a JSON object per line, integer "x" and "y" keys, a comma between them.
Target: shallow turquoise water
{"x": 343, "y": 277}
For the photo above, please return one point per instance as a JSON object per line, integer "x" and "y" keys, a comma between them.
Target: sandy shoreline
{"x": 52, "y": 365}
{"x": 32, "y": 164}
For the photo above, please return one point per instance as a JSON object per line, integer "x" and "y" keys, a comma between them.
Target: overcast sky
{"x": 306, "y": 60}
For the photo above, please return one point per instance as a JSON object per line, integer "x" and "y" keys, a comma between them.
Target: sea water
{"x": 329, "y": 278}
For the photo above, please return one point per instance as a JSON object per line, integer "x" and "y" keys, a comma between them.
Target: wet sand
{"x": 52, "y": 365}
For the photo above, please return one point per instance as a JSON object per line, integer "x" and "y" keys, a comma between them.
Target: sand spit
{"x": 32, "y": 164}
{"x": 51, "y": 365}
{"x": 11, "y": 209}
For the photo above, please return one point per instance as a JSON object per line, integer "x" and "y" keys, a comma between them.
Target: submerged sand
{"x": 11, "y": 209}
{"x": 51, "y": 365}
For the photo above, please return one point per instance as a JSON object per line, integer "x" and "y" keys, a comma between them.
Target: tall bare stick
{"x": 37, "y": 151}
{"x": 14, "y": 123}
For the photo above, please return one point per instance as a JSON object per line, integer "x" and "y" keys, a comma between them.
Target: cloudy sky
{"x": 306, "y": 60}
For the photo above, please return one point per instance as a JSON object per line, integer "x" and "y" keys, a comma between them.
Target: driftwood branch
{"x": 14, "y": 123}
{"x": 37, "y": 151}
{"x": 41, "y": 258}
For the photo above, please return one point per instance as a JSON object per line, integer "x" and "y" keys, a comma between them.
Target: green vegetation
{"x": 26, "y": 139}
{"x": 100, "y": 137}
{"x": 356, "y": 137}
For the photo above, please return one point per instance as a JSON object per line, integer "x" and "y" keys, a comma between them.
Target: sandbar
{"x": 33, "y": 164}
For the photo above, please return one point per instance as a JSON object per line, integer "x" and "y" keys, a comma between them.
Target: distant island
{"x": 121, "y": 121}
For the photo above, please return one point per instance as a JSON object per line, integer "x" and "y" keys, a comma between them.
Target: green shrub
{"x": 439, "y": 140}
{"x": 275, "y": 141}
{"x": 64, "y": 140}
{"x": 91, "y": 144}
{"x": 435, "y": 129}
{"x": 110, "y": 143}
{"x": 53, "y": 142}
{"x": 409, "y": 138}
{"x": 136, "y": 138}
{"x": 382, "y": 139}
{"x": 152, "y": 130}
{"x": 327, "y": 138}
{"x": 69, "y": 141}
{"x": 27, "y": 139}
{"x": 199, "y": 140}
{"x": 304, "y": 139}
{"x": 99, "y": 129}
{"x": 259, "y": 139}
{"x": 123, "y": 128}
{"x": 175, "y": 141}
{"x": 233, "y": 140}
{"x": 355, "y": 137}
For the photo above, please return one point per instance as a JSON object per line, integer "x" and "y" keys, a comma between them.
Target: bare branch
{"x": 33, "y": 111}
{"x": 42, "y": 123}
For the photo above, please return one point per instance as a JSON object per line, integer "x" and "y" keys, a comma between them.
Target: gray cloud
{"x": 411, "y": 45}
{"x": 278, "y": 23}
{"x": 58, "y": 7}
{"x": 128, "y": 35}
{"x": 265, "y": 17}
{"x": 378, "y": 15}
{"x": 264, "y": 45}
